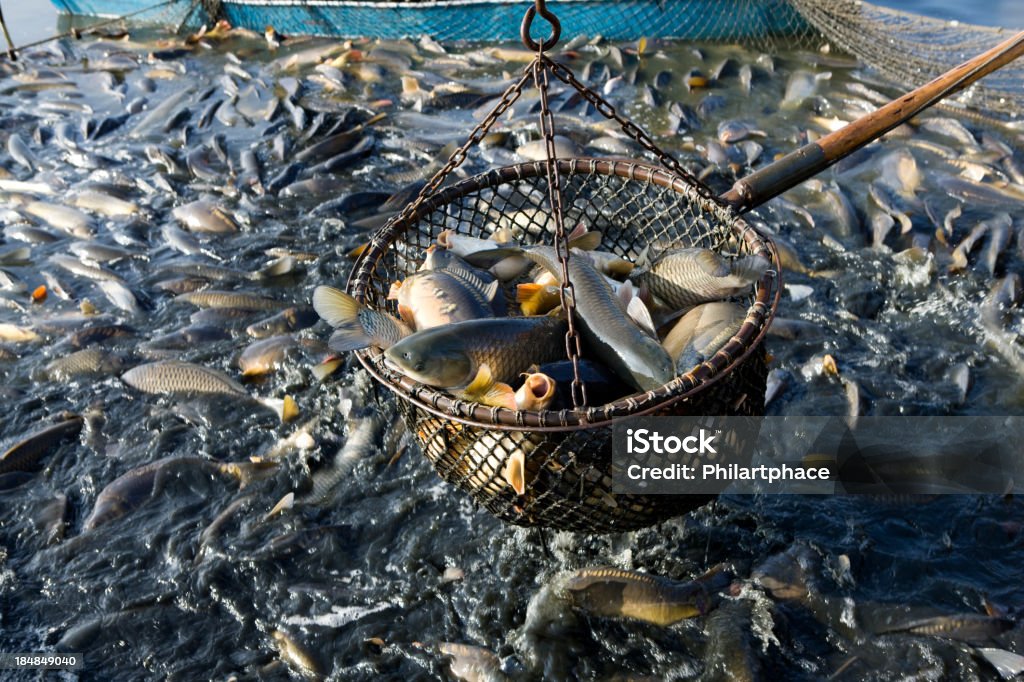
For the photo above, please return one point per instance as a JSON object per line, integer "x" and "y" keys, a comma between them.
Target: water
{"x": 197, "y": 579}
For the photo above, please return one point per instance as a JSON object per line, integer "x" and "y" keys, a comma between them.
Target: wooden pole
{"x": 811, "y": 159}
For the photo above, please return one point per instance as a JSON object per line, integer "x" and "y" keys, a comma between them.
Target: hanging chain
{"x": 635, "y": 133}
{"x": 508, "y": 98}
{"x": 566, "y": 292}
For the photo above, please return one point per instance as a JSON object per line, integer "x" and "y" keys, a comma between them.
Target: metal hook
{"x": 540, "y": 7}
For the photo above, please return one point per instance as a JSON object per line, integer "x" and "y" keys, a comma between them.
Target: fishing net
{"x": 565, "y": 465}
{"x": 908, "y": 49}
{"x": 912, "y": 49}
{"x": 568, "y": 453}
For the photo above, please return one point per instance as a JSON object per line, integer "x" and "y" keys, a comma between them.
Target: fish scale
{"x": 176, "y": 376}
{"x": 506, "y": 345}
{"x": 687, "y": 277}
{"x": 608, "y": 331}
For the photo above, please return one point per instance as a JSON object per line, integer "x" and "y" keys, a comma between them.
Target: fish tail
{"x": 485, "y": 390}
{"x": 515, "y": 472}
{"x": 354, "y": 323}
{"x": 285, "y": 408}
{"x": 584, "y": 240}
{"x": 532, "y": 298}
{"x": 750, "y": 268}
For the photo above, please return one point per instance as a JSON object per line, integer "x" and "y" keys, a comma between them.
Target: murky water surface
{"x": 188, "y": 575}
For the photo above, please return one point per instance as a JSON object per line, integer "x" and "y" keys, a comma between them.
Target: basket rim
{"x": 728, "y": 358}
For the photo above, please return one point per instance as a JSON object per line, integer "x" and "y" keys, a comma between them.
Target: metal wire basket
{"x": 568, "y": 452}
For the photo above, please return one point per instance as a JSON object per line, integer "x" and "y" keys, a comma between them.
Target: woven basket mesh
{"x": 568, "y": 453}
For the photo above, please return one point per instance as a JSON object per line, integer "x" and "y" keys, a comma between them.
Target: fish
{"x": 536, "y": 150}
{"x": 210, "y": 298}
{"x": 682, "y": 278}
{"x": 963, "y": 249}
{"x": 801, "y": 85}
{"x": 618, "y": 593}
{"x": 297, "y": 656}
{"x": 291, "y": 319}
{"x": 68, "y": 220}
{"x": 479, "y": 359}
{"x": 998, "y": 238}
{"x": 898, "y": 170}
{"x": 20, "y": 152}
{"x": 731, "y": 653}
{"x": 435, "y": 297}
{"x": 131, "y": 490}
{"x": 732, "y": 131}
{"x": 15, "y": 334}
{"x": 99, "y": 333}
{"x": 606, "y": 327}
{"x": 101, "y": 253}
{"x": 176, "y": 377}
{"x": 702, "y": 332}
{"x": 121, "y": 296}
{"x": 472, "y": 663}
{"x": 356, "y": 326}
{"x": 85, "y": 362}
{"x": 27, "y": 451}
{"x": 103, "y": 203}
{"x": 364, "y": 435}
{"x": 187, "y": 337}
{"x": 266, "y": 355}
{"x": 94, "y": 272}
{"x": 205, "y": 216}
{"x": 966, "y": 627}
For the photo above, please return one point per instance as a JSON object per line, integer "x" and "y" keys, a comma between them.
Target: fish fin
{"x": 326, "y": 369}
{"x": 492, "y": 291}
{"x": 750, "y": 267}
{"x": 491, "y": 257}
{"x": 503, "y": 235}
{"x": 357, "y": 251}
{"x": 515, "y": 472}
{"x": 625, "y": 294}
{"x": 285, "y": 503}
{"x": 334, "y": 306}
{"x": 484, "y": 389}
{"x": 620, "y": 267}
{"x": 713, "y": 264}
{"x": 639, "y": 313}
{"x": 644, "y": 259}
{"x": 277, "y": 268}
{"x": 285, "y": 408}
{"x": 18, "y": 256}
{"x": 526, "y": 291}
{"x": 393, "y": 291}
{"x": 587, "y": 241}
{"x": 349, "y": 338}
{"x": 289, "y": 409}
{"x": 405, "y": 312}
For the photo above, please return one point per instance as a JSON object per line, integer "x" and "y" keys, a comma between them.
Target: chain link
{"x": 635, "y": 133}
{"x": 566, "y": 292}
